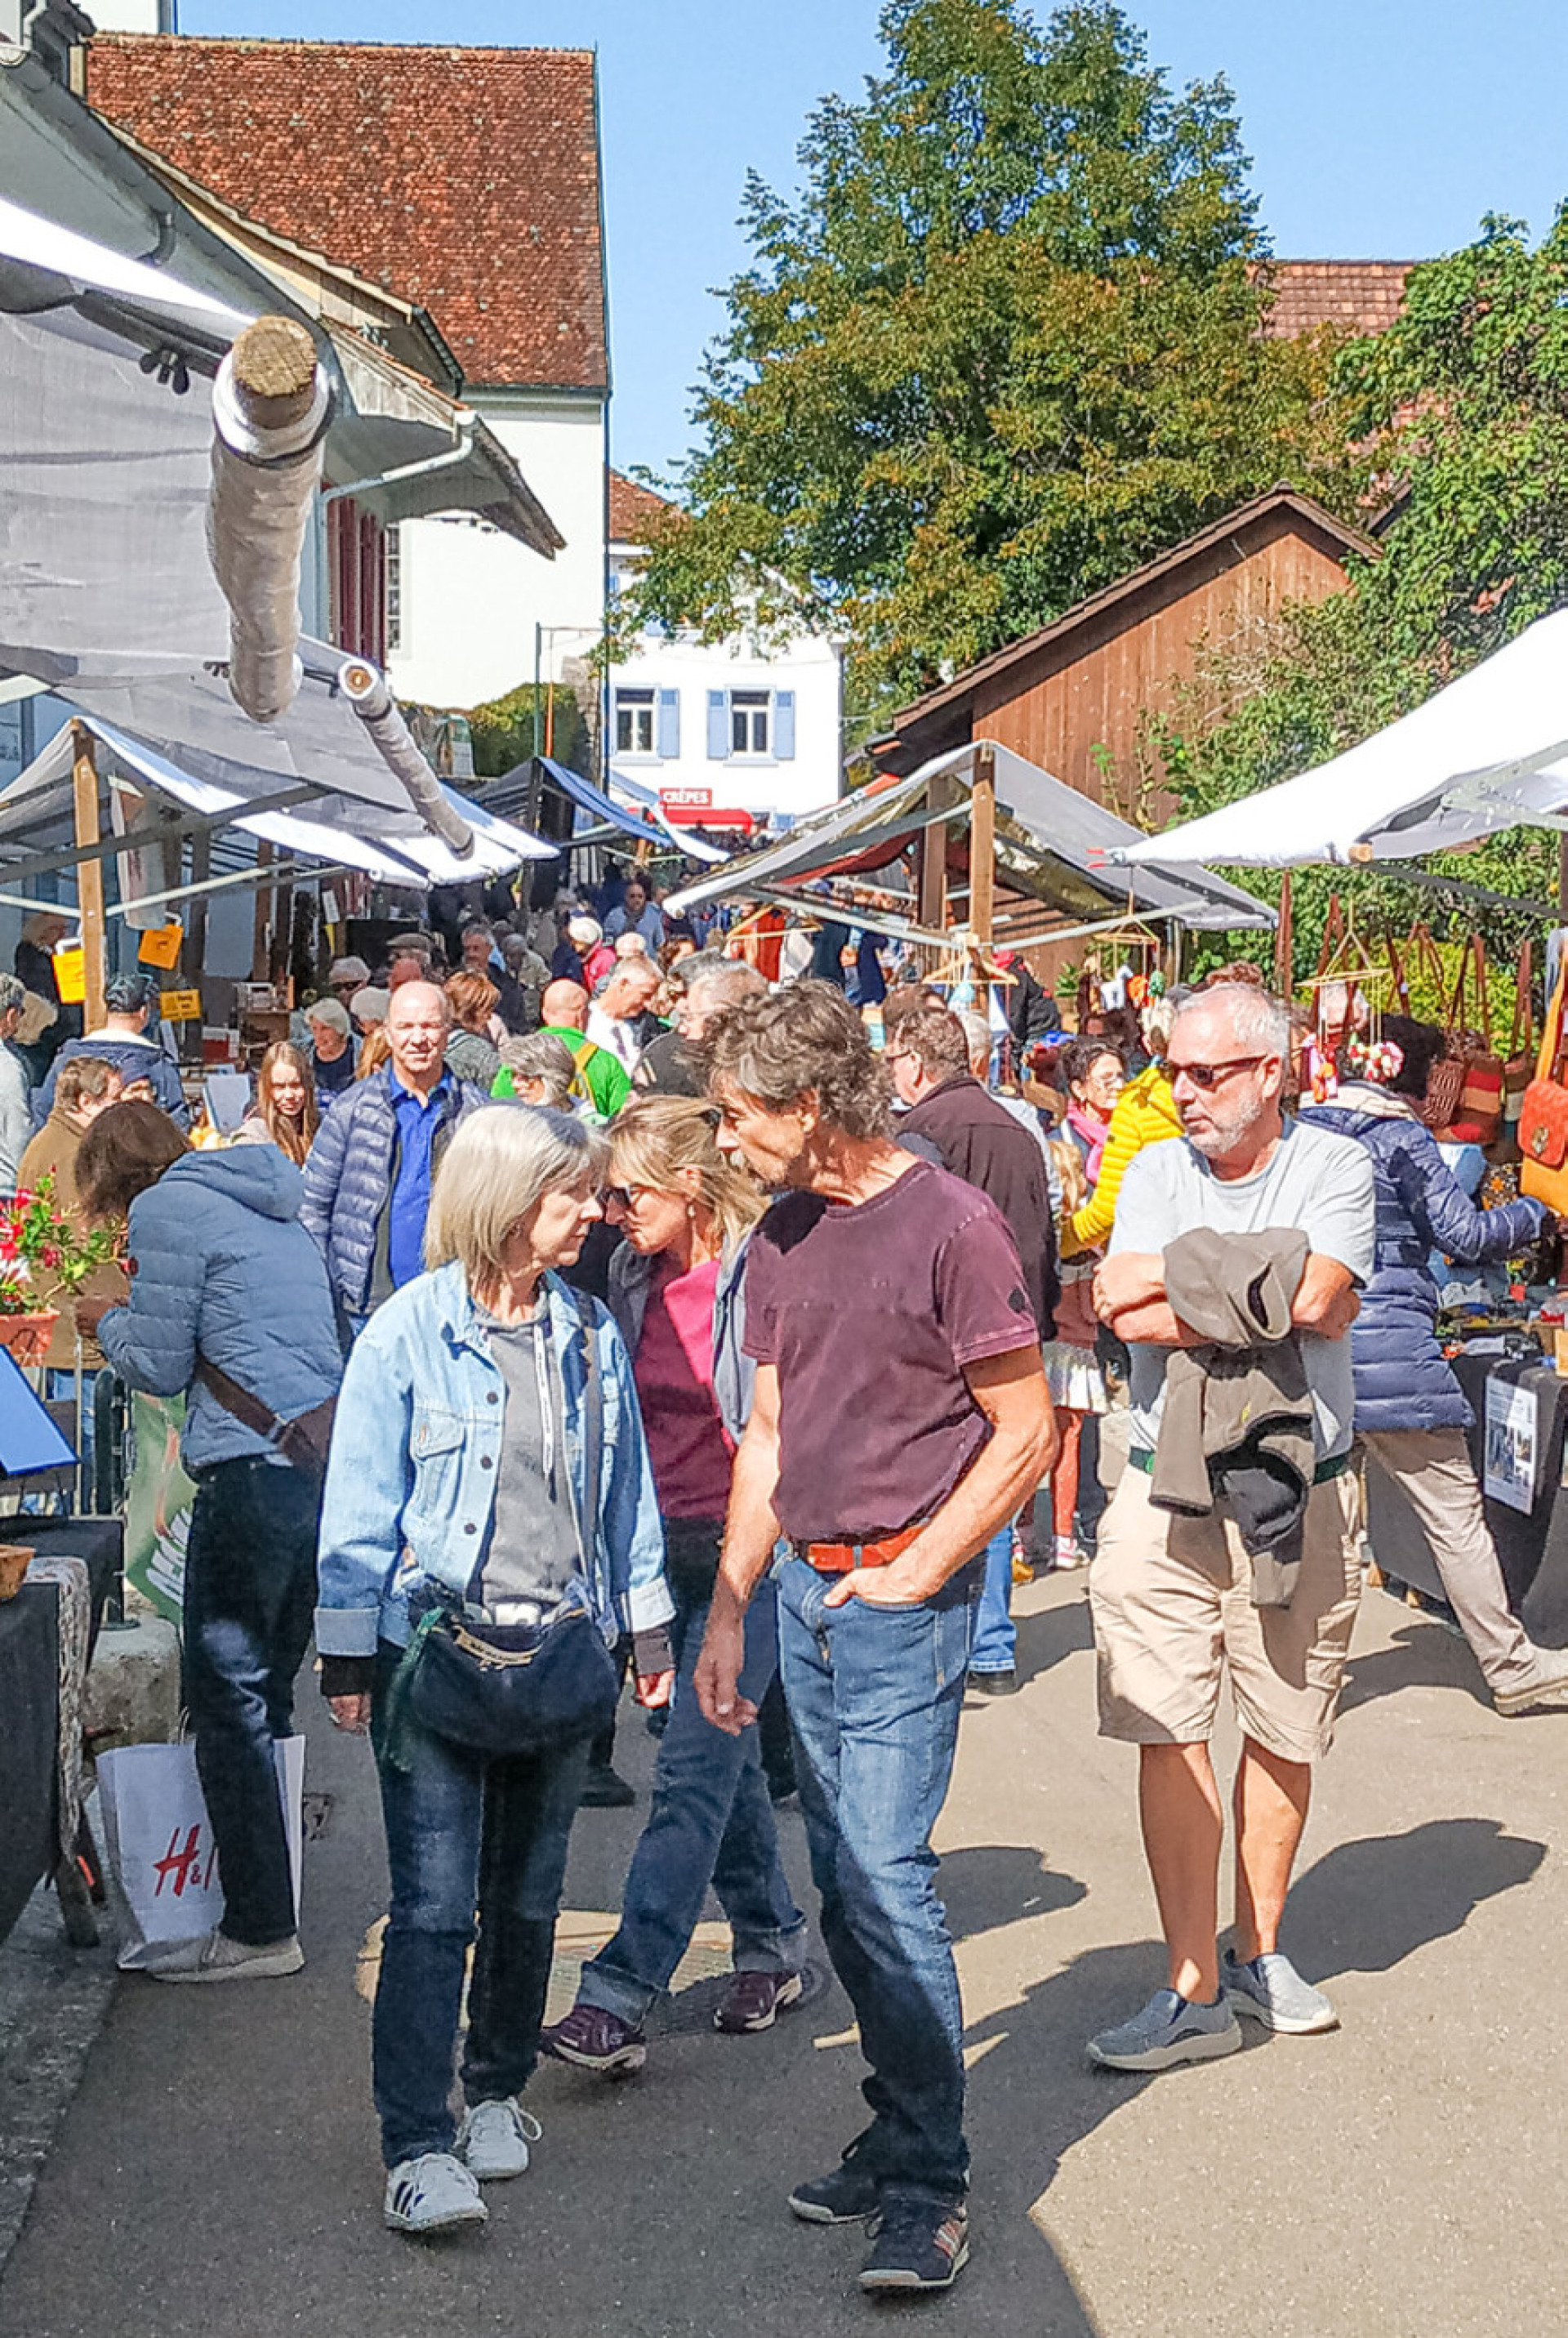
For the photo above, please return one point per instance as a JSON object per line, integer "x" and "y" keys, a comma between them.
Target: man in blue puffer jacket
{"x": 1411, "y": 1412}
{"x": 369, "y": 1176}
{"x": 222, "y": 1270}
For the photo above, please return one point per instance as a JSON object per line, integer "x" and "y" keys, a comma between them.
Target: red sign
{"x": 697, "y": 798}
{"x": 695, "y": 816}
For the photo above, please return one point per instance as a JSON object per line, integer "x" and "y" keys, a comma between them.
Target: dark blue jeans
{"x": 463, "y": 1833}
{"x": 250, "y": 1595}
{"x": 875, "y": 1695}
{"x": 711, "y": 1823}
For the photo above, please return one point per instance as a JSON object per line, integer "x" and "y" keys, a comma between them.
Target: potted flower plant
{"x": 43, "y": 1257}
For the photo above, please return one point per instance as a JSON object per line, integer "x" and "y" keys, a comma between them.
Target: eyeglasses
{"x": 1207, "y": 1076}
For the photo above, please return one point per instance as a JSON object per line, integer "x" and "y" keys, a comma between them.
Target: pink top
{"x": 674, "y": 1368}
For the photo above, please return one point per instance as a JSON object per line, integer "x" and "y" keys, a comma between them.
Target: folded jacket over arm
{"x": 1237, "y": 1418}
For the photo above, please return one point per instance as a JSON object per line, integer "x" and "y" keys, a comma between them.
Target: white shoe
{"x": 1545, "y": 1684}
{"x": 494, "y": 2138}
{"x": 433, "y": 2194}
{"x": 215, "y": 1957}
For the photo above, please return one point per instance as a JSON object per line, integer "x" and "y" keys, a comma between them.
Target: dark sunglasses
{"x": 1207, "y": 1076}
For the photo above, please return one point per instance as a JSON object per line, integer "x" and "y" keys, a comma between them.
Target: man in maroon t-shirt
{"x": 900, "y": 1416}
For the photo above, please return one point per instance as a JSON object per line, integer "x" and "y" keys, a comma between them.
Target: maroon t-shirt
{"x": 870, "y": 1313}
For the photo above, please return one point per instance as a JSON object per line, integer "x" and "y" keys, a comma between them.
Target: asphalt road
{"x": 216, "y": 2175}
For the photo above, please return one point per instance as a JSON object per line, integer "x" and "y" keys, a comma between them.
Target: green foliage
{"x": 1462, "y": 407}
{"x": 503, "y": 732}
{"x": 1003, "y": 348}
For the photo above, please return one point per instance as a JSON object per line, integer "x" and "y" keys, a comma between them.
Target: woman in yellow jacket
{"x": 1145, "y": 1113}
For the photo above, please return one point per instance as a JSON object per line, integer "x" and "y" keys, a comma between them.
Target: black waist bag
{"x": 499, "y": 1689}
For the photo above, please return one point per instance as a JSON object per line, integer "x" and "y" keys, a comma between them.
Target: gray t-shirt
{"x": 532, "y": 1550}
{"x": 1315, "y": 1182}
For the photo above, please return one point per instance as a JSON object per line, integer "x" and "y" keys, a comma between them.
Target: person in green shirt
{"x": 599, "y": 1075}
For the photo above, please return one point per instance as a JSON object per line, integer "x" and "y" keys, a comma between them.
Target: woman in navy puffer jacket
{"x": 1410, "y": 1410}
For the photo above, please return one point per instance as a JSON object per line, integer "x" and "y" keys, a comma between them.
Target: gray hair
{"x": 13, "y": 992}
{"x": 540, "y": 1056}
{"x": 726, "y": 981}
{"x": 1258, "y": 1020}
{"x": 502, "y": 1162}
{"x": 977, "y": 1033}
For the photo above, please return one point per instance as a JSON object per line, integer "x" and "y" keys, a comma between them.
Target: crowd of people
{"x": 665, "y": 1327}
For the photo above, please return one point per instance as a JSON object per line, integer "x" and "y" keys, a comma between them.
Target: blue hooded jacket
{"x": 1402, "y": 1378}
{"x": 224, "y": 1270}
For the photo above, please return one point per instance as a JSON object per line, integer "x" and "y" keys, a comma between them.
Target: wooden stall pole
{"x": 982, "y": 849}
{"x": 260, "y": 935}
{"x": 89, "y": 873}
{"x": 934, "y": 878}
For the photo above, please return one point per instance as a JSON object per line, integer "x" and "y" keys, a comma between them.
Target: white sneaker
{"x": 215, "y": 1957}
{"x": 494, "y": 2138}
{"x": 1545, "y": 1684}
{"x": 433, "y": 2194}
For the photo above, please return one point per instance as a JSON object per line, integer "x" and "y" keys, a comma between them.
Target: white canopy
{"x": 1488, "y": 752}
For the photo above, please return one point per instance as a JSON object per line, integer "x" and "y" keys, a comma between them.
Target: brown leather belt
{"x": 841, "y": 1557}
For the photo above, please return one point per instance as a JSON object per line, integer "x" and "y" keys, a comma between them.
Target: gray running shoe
{"x": 1545, "y": 1684}
{"x": 1168, "y": 2030}
{"x": 1270, "y": 1991}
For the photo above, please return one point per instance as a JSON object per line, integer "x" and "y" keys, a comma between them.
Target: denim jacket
{"x": 411, "y": 1482}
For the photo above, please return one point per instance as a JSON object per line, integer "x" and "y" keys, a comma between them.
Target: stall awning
{"x": 648, "y": 824}
{"x": 1486, "y": 753}
{"x": 1051, "y": 844}
{"x": 197, "y": 748}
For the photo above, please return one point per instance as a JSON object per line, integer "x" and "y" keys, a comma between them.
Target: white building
{"x": 725, "y": 734}
{"x": 466, "y": 181}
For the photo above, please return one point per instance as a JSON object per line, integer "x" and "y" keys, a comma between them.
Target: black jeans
{"x": 463, "y": 1831}
{"x": 249, "y": 1597}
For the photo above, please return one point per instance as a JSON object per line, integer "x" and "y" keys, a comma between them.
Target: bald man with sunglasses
{"x": 1173, "y": 1594}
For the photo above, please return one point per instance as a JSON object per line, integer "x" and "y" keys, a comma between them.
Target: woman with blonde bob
{"x": 676, "y": 1288}
{"x": 488, "y": 1462}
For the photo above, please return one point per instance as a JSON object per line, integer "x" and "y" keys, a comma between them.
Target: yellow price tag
{"x": 181, "y": 1006}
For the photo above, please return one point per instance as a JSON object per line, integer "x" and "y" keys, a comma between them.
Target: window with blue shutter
{"x": 670, "y": 724}
{"x": 784, "y": 724}
{"x": 718, "y": 725}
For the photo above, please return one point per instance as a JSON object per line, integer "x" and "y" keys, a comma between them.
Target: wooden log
{"x": 90, "y": 874}
{"x": 982, "y": 847}
{"x": 274, "y": 372}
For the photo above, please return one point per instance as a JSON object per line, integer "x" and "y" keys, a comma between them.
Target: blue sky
{"x": 1379, "y": 129}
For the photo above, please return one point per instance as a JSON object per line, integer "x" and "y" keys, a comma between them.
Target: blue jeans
{"x": 250, "y": 1595}
{"x": 875, "y": 1695}
{"x": 995, "y": 1648}
{"x": 463, "y": 1831}
{"x": 711, "y": 1823}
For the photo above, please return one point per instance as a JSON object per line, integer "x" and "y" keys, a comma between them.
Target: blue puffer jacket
{"x": 223, "y": 1269}
{"x": 348, "y": 1175}
{"x": 1402, "y": 1380}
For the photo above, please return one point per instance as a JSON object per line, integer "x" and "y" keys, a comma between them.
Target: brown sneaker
{"x": 754, "y": 2001}
{"x": 594, "y": 2038}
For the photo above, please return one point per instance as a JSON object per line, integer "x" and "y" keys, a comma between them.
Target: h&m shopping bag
{"x": 162, "y": 1856}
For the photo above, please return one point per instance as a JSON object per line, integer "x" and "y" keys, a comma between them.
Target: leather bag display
{"x": 1478, "y": 1118}
{"x": 1544, "y": 1114}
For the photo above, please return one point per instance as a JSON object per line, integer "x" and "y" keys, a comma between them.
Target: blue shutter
{"x": 784, "y": 724}
{"x": 669, "y": 734}
{"x": 718, "y": 726}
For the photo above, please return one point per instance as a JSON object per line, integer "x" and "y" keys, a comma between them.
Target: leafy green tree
{"x": 1462, "y": 407}
{"x": 1002, "y": 348}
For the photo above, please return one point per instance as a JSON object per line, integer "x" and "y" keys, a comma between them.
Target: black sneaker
{"x": 605, "y": 1789}
{"x": 918, "y": 2244}
{"x": 998, "y": 1683}
{"x": 846, "y": 2196}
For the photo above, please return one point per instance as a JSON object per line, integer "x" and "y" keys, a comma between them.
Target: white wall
{"x": 472, "y": 597}
{"x": 764, "y": 786}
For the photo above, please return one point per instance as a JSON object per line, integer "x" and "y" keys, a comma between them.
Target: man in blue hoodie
{"x": 223, "y": 1273}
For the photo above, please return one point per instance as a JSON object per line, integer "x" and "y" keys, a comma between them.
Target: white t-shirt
{"x": 1316, "y": 1183}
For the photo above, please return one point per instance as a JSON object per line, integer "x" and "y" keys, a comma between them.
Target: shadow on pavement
{"x": 1424, "y": 1656}
{"x": 1367, "y": 1906}
{"x": 988, "y": 1885}
{"x": 1048, "y": 1638}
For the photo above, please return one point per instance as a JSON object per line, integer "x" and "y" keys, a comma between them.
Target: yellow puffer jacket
{"x": 1145, "y": 1113}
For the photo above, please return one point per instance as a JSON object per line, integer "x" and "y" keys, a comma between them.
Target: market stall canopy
{"x": 642, "y": 820}
{"x": 1051, "y": 843}
{"x": 105, "y": 441}
{"x": 1486, "y": 753}
{"x": 187, "y": 738}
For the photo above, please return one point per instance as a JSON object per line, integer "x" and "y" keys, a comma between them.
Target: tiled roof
{"x": 465, "y": 180}
{"x": 1359, "y": 296}
{"x": 632, "y": 510}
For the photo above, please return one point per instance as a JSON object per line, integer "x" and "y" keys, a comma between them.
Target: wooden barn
{"x": 1074, "y": 698}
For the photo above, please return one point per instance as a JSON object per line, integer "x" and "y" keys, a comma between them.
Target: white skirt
{"x": 1073, "y": 1378}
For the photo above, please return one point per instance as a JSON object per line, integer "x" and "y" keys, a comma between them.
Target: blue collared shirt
{"x": 409, "y": 1204}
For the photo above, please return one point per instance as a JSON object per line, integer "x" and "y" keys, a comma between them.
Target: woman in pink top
{"x": 677, "y": 1293}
